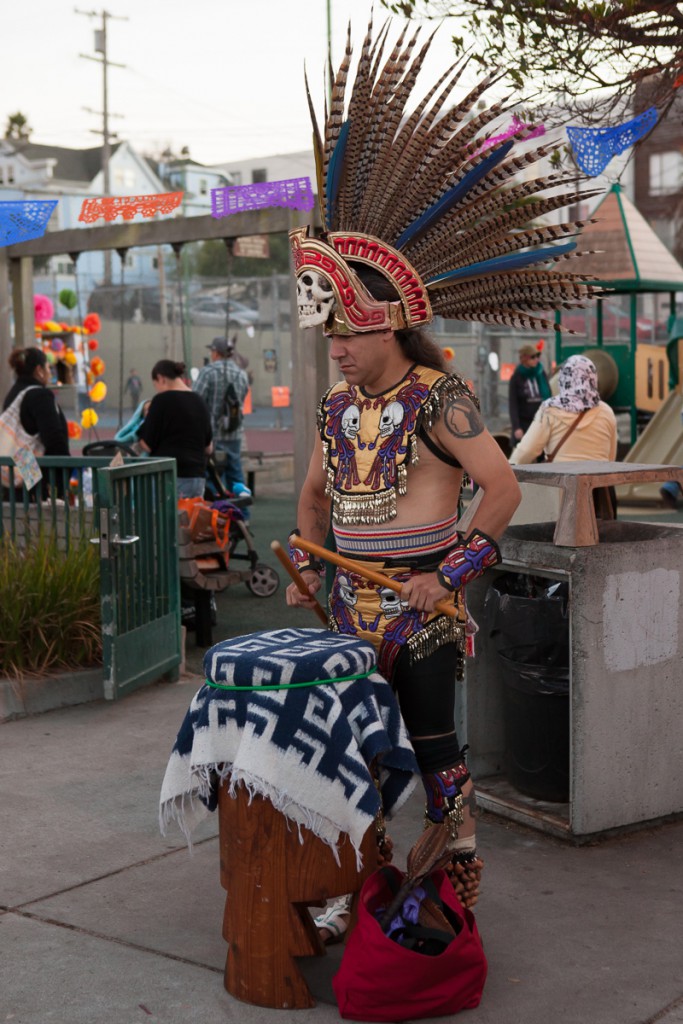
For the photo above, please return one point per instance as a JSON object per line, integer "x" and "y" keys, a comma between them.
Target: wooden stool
{"x": 271, "y": 876}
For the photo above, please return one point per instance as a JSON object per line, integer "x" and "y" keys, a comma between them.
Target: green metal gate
{"x": 131, "y": 514}
{"x": 140, "y": 589}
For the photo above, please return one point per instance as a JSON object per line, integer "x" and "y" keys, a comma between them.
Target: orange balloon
{"x": 98, "y": 392}
{"x": 97, "y": 366}
{"x": 74, "y": 430}
{"x": 92, "y": 323}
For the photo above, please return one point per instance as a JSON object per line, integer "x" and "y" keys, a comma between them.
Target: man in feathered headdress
{"x": 420, "y": 217}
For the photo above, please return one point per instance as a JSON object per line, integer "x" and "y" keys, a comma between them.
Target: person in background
{"x": 133, "y": 388}
{"x": 40, "y": 415}
{"x": 577, "y": 407}
{"x": 211, "y": 384}
{"x": 527, "y": 389}
{"x": 178, "y": 426}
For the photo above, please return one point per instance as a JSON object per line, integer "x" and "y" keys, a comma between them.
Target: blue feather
{"x": 335, "y": 171}
{"x": 513, "y": 261}
{"x": 437, "y": 210}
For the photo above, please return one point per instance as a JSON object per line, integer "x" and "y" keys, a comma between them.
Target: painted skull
{"x": 346, "y": 592}
{"x": 391, "y": 419}
{"x": 314, "y": 299}
{"x": 350, "y": 422}
{"x": 390, "y": 603}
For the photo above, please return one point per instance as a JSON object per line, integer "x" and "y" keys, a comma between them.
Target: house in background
{"x": 31, "y": 170}
{"x": 658, "y": 191}
{"x": 277, "y": 167}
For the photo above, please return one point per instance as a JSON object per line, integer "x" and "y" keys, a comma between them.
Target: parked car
{"x": 616, "y": 324}
{"x": 212, "y": 311}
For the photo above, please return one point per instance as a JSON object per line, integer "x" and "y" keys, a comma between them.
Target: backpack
{"x": 230, "y": 418}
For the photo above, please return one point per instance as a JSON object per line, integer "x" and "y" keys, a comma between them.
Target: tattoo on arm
{"x": 322, "y": 518}
{"x": 461, "y": 418}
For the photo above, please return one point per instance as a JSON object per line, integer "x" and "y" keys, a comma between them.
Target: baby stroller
{"x": 262, "y": 581}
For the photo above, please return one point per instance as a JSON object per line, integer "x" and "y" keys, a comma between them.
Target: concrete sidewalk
{"x": 103, "y": 921}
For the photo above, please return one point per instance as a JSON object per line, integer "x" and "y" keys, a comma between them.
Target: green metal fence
{"x": 130, "y": 512}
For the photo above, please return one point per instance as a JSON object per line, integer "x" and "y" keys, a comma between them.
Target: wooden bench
{"x": 576, "y": 523}
{"x": 265, "y": 462}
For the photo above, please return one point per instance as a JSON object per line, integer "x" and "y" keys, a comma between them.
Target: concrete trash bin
{"x": 625, "y": 691}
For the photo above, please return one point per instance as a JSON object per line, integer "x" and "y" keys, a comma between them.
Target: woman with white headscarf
{"x": 573, "y": 426}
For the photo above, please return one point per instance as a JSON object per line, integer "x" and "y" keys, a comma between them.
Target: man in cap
{"x": 222, "y": 385}
{"x": 528, "y": 388}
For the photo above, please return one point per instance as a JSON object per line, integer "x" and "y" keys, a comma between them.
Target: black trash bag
{"x": 527, "y": 617}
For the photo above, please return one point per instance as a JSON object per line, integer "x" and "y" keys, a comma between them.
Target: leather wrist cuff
{"x": 468, "y": 560}
{"x": 301, "y": 559}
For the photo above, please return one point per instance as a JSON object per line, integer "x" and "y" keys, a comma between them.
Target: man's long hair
{"x": 416, "y": 343}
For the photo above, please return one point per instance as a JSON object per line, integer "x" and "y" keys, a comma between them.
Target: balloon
{"x": 68, "y": 298}
{"x": 92, "y": 323}
{"x": 98, "y": 392}
{"x": 70, "y": 357}
{"x": 448, "y": 353}
{"x": 73, "y": 429}
{"x": 89, "y": 418}
{"x": 43, "y": 308}
{"x": 93, "y": 344}
{"x": 97, "y": 366}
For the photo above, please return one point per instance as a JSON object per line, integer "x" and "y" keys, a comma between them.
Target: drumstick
{"x": 369, "y": 574}
{"x": 296, "y": 577}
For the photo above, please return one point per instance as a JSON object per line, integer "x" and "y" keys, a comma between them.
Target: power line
{"x": 103, "y": 60}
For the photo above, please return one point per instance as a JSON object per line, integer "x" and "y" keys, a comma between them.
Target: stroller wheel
{"x": 263, "y": 581}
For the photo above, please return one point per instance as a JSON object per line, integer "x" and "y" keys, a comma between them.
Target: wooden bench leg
{"x": 202, "y": 618}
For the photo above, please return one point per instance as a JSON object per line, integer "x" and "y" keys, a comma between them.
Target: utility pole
{"x": 107, "y": 136}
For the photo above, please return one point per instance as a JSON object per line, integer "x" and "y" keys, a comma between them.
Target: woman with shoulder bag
{"x": 38, "y": 412}
{"x": 573, "y": 426}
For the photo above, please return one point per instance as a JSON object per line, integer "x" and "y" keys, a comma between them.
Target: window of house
{"x": 10, "y": 174}
{"x": 155, "y": 262}
{"x": 666, "y": 173}
{"x": 258, "y": 175}
{"x": 124, "y": 177}
{"x": 203, "y": 187}
{"x": 2, "y": 175}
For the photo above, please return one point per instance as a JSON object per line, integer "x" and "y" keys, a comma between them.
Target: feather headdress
{"x": 432, "y": 201}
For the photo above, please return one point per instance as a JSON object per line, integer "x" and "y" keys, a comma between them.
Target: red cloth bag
{"x": 380, "y": 980}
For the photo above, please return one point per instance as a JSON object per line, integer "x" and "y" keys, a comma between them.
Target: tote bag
{"x": 381, "y": 980}
{"x": 13, "y": 437}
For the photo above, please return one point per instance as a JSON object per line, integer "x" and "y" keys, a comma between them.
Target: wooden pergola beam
{"x": 175, "y": 231}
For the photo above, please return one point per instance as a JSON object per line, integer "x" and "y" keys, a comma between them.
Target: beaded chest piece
{"x": 370, "y": 440}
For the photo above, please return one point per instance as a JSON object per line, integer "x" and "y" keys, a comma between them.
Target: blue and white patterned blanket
{"x": 306, "y": 748}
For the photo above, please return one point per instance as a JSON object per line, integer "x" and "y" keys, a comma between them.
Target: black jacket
{"x": 524, "y": 400}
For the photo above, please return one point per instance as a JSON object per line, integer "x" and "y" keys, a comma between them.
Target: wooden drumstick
{"x": 369, "y": 574}
{"x": 296, "y": 577}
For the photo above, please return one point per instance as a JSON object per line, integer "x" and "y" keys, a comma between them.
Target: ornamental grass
{"x": 49, "y": 607}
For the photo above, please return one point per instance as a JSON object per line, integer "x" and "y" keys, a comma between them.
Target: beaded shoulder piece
{"x": 370, "y": 440}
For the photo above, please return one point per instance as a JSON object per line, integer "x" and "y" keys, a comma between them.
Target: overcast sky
{"x": 224, "y": 77}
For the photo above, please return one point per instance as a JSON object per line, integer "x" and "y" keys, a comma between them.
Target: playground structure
{"x": 632, "y": 351}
